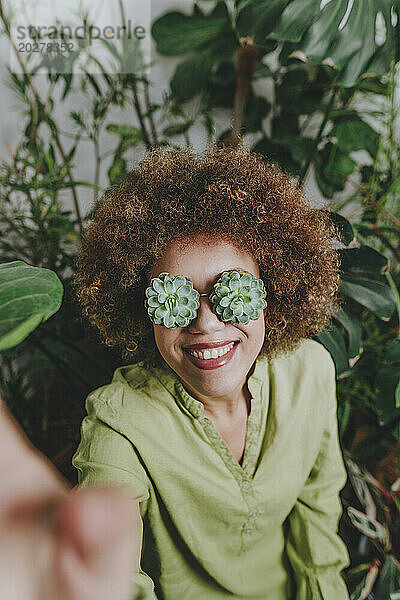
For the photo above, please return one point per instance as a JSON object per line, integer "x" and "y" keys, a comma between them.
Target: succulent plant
{"x": 238, "y": 297}
{"x": 171, "y": 300}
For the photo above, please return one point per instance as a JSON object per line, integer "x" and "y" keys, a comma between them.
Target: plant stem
{"x": 318, "y": 138}
{"x": 247, "y": 60}
{"x": 139, "y": 112}
{"x": 149, "y": 113}
{"x": 97, "y": 167}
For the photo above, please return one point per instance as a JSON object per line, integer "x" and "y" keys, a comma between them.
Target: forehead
{"x": 202, "y": 260}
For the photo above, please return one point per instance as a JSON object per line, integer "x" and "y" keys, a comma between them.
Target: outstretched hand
{"x": 56, "y": 542}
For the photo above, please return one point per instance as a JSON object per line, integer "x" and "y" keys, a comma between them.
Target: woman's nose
{"x": 206, "y": 320}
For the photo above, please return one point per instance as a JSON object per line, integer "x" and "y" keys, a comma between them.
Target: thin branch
{"x": 149, "y": 113}
{"x": 139, "y": 112}
{"x": 318, "y": 137}
{"x": 97, "y": 167}
{"x": 370, "y": 197}
{"x": 132, "y": 82}
{"x": 38, "y": 101}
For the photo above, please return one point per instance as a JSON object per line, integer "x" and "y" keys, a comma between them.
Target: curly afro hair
{"x": 227, "y": 193}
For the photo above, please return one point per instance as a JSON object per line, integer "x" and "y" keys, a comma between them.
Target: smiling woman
{"x": 211, "y": 272}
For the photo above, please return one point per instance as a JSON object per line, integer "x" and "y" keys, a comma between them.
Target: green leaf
{"x": 332, "y": 166}
{"x": 386, "y": 384}
{"x": 323, "y": 31}
{"x": 354, "y": 135}
{"x": 352, "y": 326}
{"x": 347, "y": 39}
{"x": 125, "y": 131}
{"x": 364, "y": 260}
{"x": 344, "y": 227}
{"x": 177, "y": 128}
{"x": 393, "y": 352}
{"x": 334, "y": 342}
{"x": 289, "y": 152}
{"x": 397, "y": 395}
{"x": 364, "y": 584}
{"x": 375, "y": 296}
{"x": 257, "y": 18}
{"x": 257, "y": 108}
{"x": 367, "y": 525}
{"x": 388, "y": 586}
{"x": 117, "y": 170}
{"x": 28, "y": 296}
{"x": 191, "y": 76}
{"x": 176, "y": 34}
{"x": 294, "y": 21}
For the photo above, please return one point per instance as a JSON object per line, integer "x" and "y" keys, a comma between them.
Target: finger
{"x": 101, "y": 531}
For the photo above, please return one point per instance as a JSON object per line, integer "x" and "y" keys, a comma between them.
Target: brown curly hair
{"x": 227, "y": 193}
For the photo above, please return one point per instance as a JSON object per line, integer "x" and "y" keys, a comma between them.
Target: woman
{"x": 212, "y": 273}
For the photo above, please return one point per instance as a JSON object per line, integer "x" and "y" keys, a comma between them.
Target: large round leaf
{"x": 28, "y": 296}
{"x": 363, "y": 260}
{"x": 355, "y": 134}
{"x": 176, "y": 33}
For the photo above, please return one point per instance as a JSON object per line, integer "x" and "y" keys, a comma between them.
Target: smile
{"x": 211, "y": 357}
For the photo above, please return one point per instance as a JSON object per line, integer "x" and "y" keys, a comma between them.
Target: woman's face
{"x": 204, "y": 376}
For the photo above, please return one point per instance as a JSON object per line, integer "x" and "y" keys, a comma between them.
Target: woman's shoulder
{"x": 308, "y": 371}
{"x": 134, "y": 391}
{"x": 308, "y": 356}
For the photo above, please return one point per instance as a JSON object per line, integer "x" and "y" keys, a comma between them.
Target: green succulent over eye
{"x": 238, "y": 297}
{"x": 171, "y": 300}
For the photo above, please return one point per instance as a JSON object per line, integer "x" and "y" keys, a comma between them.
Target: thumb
{"x": 99, "y": 535}
{"x": 97, "y": 517}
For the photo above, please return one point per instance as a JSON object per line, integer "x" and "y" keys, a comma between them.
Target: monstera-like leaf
{"x": 357, "y": 37}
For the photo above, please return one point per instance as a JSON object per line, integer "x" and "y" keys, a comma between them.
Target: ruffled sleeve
{"x": 315, "y": 551}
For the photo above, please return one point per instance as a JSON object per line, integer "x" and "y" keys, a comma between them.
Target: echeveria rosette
{"x": 171, "y": 300}
{"x": 238, "y": 297}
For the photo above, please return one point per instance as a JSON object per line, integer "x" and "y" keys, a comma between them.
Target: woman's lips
{"x": 212, "y": 363}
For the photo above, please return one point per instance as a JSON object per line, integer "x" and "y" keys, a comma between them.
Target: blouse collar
{"x": 256, "y": 383}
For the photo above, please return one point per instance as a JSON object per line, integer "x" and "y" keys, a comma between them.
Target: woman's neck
{"x": 223, "y": 407}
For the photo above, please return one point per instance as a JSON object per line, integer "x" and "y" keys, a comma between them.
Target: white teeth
{"x": 213, "y": 353}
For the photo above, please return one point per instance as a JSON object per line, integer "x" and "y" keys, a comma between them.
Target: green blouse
{"x": 212, "y": 528}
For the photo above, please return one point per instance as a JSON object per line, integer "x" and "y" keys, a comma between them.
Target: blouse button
{"x": 245, "y": 485}
{"x": 254, "y": 515}
{"x": 248, "y": 530}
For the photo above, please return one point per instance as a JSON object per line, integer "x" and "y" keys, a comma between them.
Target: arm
{"x": 316, "y": 552}
{"x": 105, "y": 456}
